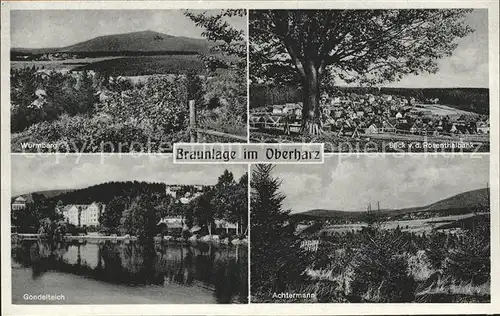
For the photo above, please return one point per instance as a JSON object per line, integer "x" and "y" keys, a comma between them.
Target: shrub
{"x": 470, "y": 260}
{"x": 223, "y": 120}
{"x": 380, "y": 271}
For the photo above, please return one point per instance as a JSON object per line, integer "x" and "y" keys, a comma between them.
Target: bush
{"x": 223, "y": 120}
{"x": 96, "y": 134}
{"x": 381, "y": 271}
{"x": 470, "y": 260}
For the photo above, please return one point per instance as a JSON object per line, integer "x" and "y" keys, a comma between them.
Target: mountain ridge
{"x": 139, "y": 41}
{"x": 467, "y": 199}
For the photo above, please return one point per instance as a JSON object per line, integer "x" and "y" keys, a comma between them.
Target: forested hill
{"x": 105, "y": 192}
{"x": 466, "y": 201}
{"x": 144, "y": 41}
{"x": 475, "y": 100}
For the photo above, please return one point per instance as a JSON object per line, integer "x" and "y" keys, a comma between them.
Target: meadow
{"x": 120, "y": 66}
{"x": 146, "y": 65}
{"x": 57, "y": 65}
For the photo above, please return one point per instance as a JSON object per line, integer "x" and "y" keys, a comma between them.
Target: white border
{"x": 281, "y": 309}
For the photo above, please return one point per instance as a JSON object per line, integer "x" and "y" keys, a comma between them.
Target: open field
{"x": 121, "y": 66}
{"x": 146, "y": 65}
{"x": 417, "y": 226}
{"x": 443, "y": 110}
{"x": 58, "y": 65}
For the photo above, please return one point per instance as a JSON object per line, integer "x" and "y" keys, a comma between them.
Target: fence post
{"x": 192, "y": 121}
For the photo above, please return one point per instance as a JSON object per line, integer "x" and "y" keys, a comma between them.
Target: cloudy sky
{"x": 349, "y": 183}
{"x": 58, "y": 28}
{"x": 468, "y": 65}
{"x": 41, "y": 173}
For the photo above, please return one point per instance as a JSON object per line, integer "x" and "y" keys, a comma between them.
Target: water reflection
{"x": 221, "y": 270}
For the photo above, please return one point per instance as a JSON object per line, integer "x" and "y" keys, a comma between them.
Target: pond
{"x": 127, "y": 272}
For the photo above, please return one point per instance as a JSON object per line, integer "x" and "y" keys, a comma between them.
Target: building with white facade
{"x": 90, "y": 215}
{"x": 83, "y": 214}
{"x": 19, "y": 204}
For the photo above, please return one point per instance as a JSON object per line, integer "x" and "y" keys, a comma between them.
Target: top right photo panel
{"x": 403, "y": 80}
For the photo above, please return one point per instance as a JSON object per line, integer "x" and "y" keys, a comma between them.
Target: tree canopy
{"x": 231, "y": 48}
{"x": 366, "y": 47}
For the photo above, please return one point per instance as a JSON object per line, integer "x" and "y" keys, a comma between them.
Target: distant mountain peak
{"x": 139, "y": 41}
{"x": 469, "y": 199}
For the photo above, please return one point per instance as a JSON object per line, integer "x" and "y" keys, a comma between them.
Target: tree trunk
{"x": 311, "y": 112}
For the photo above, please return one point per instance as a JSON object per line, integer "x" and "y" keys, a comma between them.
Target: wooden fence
{"x": 277, "y": 121}
{"x": 200, "y": 135}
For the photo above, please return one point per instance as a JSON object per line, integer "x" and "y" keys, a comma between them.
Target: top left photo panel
{"x": 126, "y": 80}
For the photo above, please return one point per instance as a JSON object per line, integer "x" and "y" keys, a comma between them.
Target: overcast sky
{"x": 468, "y": 65}
{"x": 31, "y": 174}
{"x": 349, "y": 183}
{"x": 59, "y": 28}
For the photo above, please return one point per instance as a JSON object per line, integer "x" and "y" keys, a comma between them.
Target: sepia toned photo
{"x": 371, "y": 80}
{"x": 372, "y": 229}
{"x": 126, "y": 80}
{"x": 127, "y": 231}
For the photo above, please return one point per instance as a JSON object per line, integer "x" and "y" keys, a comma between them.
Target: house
{"x": 278, "y": 109}
{"x": 172, "y": 225}
{"x": 19, "y": 204}
{"x": 171, "y": 222}
{"x": 225, "y": 225}
{"x": 417, "y": 128}
{"x": 71, "y": 213}
{"x": 374, "y": 128}
{"x": 188, "y": 197}
{"x": 40, "y": 101}
{"x": 172, "y": 190}
{"x": 483, "y": 128}
{"x": 90, "y": 215}
{"x": 294, "y": 108}
{"x": 83, "y": 214}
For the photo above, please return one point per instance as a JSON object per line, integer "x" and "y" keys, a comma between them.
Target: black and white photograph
{"x": 399, "y": 80}
{"x": 372, "y": 229}
{"x": 126, "y": 80}
{"x": 250, "y": 157}
{"x": 128, "y": 230}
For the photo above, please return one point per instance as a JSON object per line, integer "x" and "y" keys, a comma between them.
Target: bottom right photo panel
{"x": 372, "y": 229}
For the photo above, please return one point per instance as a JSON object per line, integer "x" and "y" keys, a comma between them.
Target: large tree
{"x": 227, "y": 60}
{"x": 358, "y": 46}
{"x": 113, "y": 212}
{"x": 230, "y": 200}
{"x": 230, "y": 49}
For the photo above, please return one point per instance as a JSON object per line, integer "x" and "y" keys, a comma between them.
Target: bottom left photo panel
{"x": 124, "y": 229}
